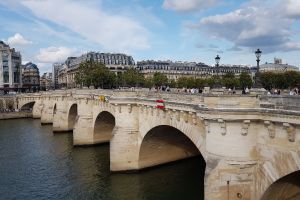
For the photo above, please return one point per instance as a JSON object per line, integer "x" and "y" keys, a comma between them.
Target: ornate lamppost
{"x": 257, "y": 83}
{"x": 217, "y": 59}
{"x": 258, "y": 54}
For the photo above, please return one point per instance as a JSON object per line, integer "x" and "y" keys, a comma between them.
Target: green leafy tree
{"x": 245, "y": 80}
{"x": 199, "y": 83}
{"x": 95, "y": 74}
{"x": 133, "y": 78}
{"x": 148, "y": 82}
{"x": 182, "y": 82}
{"x": 160, "y": 79}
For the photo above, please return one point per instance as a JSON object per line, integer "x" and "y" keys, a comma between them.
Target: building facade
{"x": 55, "y": 70}
{"x": 117, "y": 63}
{"x": 10, "y": 68}
{"x": 277, "y": 67}
{"x": 31, "y": 77}
{"x": 46, "y": 81}
{"x": 175, "y": 70}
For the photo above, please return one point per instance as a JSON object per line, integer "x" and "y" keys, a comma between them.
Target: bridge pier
{"x": 37, "y": 110}
{"x": 229, "y": 179}
{"x": 60, "y": 118}
{"x": 48, "y": 110}
{"x": 83, "y": 132}
{"x": 124, "y": 156}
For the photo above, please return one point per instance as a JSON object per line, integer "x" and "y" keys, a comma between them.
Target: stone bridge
{"x": 249, "y": 144}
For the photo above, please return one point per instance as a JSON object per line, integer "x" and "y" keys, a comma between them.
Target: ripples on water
{"x": 37, "y": 164}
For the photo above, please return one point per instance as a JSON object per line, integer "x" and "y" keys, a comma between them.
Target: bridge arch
{"x": 72, "y": 116}
{"x": 287, "y": 187}
{"x": 28, "y": 106}
{"x": 103, "y": 127}
{"x": 163, "y": 144}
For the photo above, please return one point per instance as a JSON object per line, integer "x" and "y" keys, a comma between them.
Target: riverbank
{"x": 15, "y": 115}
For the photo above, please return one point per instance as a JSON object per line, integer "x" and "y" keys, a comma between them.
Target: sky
{"x": 49, "y": 31}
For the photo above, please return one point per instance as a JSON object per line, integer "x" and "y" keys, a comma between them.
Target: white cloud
{"x": 292, "y": 8}
{"x": 188, "y": 5}
{"x": 55, "y": 54}
{"x": 112, "y": 31}
{"x": 254, "y": 25}
{"x": 18, "y": 40}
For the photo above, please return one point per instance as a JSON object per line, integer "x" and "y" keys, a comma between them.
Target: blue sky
{"x": 48, "y": 31}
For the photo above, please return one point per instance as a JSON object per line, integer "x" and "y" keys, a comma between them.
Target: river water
{"x": 37, "y": 164}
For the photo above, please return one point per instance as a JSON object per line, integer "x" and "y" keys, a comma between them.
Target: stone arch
{"x": 163, "y": 144}
{"x": 28, "y": 106}
{"x": 72, "y": 116}
{"x": 103, "y": 127}
{"x": 287, "y": 187}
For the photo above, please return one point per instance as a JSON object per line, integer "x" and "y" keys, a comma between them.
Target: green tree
{"x": 95, "y": 74}
{"x": 182, "y": 82}
{"x": 159, "y": 79}
{"x": 199, "y": 83}
{"x": 245, "y": 80}
{"x": 133, "y": 78}
{"x": 148, "y": 82}
{"x": 230, "y": 81}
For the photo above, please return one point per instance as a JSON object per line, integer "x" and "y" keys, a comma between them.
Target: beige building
{"x": 175, "y": 70}
{"x": 10, "y": 67}
{"x": 116, "y": 62}
{"x": 31, "y": 77}
{"x": 46, "y": 81}
{"x": 277, "y": 66}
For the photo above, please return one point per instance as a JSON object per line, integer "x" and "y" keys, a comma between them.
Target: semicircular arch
{"x": 195, "y": 133}
{"x": 28, "y": 105}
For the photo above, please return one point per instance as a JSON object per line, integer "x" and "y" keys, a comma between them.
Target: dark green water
{"x": 37, "y": 164}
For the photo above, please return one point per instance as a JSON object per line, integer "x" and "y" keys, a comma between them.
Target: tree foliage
{"x": 245, "y": 80}
{"x": 284, "y": 80}
{"x": 160, "y": 79}
{"x": 95, "y": 74}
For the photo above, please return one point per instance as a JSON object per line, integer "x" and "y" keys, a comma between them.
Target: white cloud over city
{"x": 18, "y": 40}
{"x": 256, "y": 24}
{"x": 111, "y": 31}
{"x": 55, "y": 54}
{"x": 188, "y": 5}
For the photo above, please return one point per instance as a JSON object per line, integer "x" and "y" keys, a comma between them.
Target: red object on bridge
{"x": 160, "y": 107}
{"x": 160, "y": 104}
{"x": 160, "y": 101}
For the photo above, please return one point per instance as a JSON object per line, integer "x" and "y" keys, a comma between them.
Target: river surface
{"x": 36, "y": 164}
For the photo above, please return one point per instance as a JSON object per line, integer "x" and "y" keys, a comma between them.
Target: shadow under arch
{"x": 163, "y": 144}
{"x": 285, "y": 188}
{"x": 54, "y": 109}
{"x": 103, "y": 127}
{"x": 28, "y": 106}
{"x": 72, "y": 116}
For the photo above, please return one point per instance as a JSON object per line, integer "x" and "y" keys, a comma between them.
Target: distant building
{"x": 46, "y": 81}
{"x": 175, "y": 70}
{"x": 10, "y": 67}
{"x": 31, "y": 77}
{"x": 115, "y": 62}
{"x": 55, "y": 70}
{"x": 277, "y": 66}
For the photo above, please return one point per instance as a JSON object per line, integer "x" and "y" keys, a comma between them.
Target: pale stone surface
{"x": 241, "y": 141}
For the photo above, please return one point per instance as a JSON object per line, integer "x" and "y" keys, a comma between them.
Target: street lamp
{"x": 257, "y": 75}
{"x": 258, "y": 54}
{"x": 217, "y": 59}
